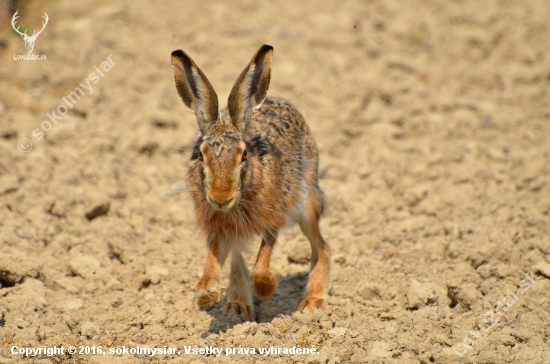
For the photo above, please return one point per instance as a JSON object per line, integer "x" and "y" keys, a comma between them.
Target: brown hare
{"x": 253, "y": 171}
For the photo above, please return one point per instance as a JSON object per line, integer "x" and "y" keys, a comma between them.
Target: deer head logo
{"x": 29, "y": 41}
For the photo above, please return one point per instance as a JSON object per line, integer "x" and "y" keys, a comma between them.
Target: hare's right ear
{"x": 251, "y": 88}
{"x": 195, "y": 90}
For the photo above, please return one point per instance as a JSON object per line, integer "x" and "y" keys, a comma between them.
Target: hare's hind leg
{"x": 319, "y": 275}
{"x": 264, "y": 282}
{"x": 208, "y": 287}
{"x": 239, "y": 296}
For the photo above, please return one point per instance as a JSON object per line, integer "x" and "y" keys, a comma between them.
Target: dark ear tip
{"x": 265, "y": 48}
{"x": 181, "y": 56}
{"x": 177, "y": 53}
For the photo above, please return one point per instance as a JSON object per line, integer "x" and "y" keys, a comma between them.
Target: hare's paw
{"x": 208, "y": 289}
{"x": 240, "y": 308}
{"x": 264, "y": 284}
{"x": 311, "y": 303}
{"x": 206, "y": 296}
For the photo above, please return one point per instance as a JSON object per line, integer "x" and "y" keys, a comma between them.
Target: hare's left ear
{"x": 250, "y": 89}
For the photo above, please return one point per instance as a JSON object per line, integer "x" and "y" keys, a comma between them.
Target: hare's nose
{"x": 221, "y": 204}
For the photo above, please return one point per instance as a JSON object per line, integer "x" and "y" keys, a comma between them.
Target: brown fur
{"x": 238, "y": 196}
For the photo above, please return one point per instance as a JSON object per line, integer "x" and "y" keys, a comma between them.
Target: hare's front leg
{"x": 239, "y": 297}
{"x": 208, "y": 288}
{"x": 264, "y": 282}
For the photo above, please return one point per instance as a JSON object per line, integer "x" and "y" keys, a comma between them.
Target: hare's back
{"x": 278, "y": 128}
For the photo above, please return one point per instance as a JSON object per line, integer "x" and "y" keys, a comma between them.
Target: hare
{"x": 252, "y": 171}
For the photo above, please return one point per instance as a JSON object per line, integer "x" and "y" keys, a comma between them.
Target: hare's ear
{"x": 195, "y": 90}
{"x": 250, "y": 89}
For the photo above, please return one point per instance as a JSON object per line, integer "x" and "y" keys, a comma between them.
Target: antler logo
{"x": 29, "y": 41}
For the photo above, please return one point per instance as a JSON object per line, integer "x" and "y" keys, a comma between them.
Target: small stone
{"x": 71, "y": 305}
{"x": 45, "y": 332}
{"x": 149, "y": 148}
{"x": 114, "y": 284}
{"x": 379, "y": 349}
{"x": 88, "y": 329}
{"x": 542, "y": 268}
{"x": 21, "y": 324}
{"x": 420, "y": 295}
{"x": 544, "y": 246}
{"x": 339, "y": 259}
{"x": 23, "y": 234}
{"x": 299, "y": 254}
{"x": 56, "y": 209}
{"x": 369, "y": 291}
{"x": 98, "y": 210}
{"x": 16, "y": 266}
{"x": 117, "y": 302}
{"x": 498, "y": 154}
{"x": 154, "y": 274}
{"x": 168, "y": 298}
{"x": 241, "y": 329}
{"x": 164, "y": 123}
{"x": 337, "y": 332}
{"x": 467, "y": 295}
{"x": 9, "y": 279}
{"x": 84, "y": 266}
{"x": 67, "y": 285}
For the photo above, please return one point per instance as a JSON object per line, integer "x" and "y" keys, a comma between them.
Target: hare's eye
{"x": 245, "y": 155}
{"x": 200, "y": 156}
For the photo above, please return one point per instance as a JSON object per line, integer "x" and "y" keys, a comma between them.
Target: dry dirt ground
{"x": 433, "y": 124}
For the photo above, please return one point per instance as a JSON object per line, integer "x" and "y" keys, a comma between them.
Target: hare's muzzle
{"x": 221, "y": 203}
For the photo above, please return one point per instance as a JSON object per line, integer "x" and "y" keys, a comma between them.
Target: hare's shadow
{"x": 284, "y": 301}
